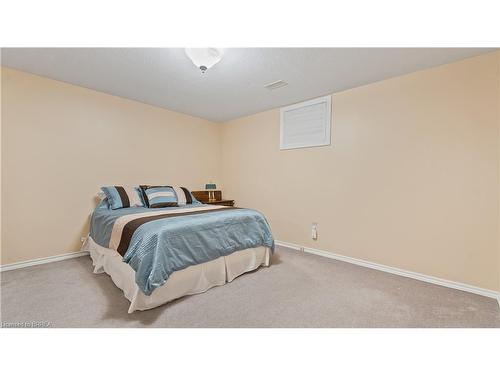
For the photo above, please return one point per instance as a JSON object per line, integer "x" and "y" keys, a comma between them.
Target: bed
{"x": 156, "y": 255}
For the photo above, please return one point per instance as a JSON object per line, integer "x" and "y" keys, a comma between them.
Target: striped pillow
{"x": 159, "y": 196}
{"x": 123, "y": 197}
{"x": 181, "y": 194}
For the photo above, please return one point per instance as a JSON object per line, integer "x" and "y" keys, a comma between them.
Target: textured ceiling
{"x": 165, "y": 77}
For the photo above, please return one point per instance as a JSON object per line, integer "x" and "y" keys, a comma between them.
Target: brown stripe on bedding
{"x": 189, "y": 200}
{"x": 123, "y": 196}
{"x": 116, "y": 233}
{"x": 130, "y": 228}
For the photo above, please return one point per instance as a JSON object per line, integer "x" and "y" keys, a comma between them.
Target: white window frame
{"x": 327, "y": 142}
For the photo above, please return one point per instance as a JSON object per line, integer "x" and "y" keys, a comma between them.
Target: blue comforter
{"x": 160, "y": 247}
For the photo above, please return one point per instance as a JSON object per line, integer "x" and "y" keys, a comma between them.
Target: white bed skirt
{"x": 192, "y": 280}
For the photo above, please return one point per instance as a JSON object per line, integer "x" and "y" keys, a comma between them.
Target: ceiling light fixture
{"x": 204, "y": 58}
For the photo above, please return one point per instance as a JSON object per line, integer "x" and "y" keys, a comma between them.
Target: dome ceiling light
{"x": 204, "y": 58}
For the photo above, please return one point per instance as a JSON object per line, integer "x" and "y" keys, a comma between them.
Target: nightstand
{"x": 223, "y": 202}
{"x": 202, "y": 196}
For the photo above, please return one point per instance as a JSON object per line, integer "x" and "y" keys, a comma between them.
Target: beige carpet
{"x": 298, "y": 290}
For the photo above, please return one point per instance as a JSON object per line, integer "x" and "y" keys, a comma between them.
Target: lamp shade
{"x": 210, "y": 186}
{"x": 204, "y": 58}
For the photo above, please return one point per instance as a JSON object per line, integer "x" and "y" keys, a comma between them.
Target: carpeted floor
{"x": 298, "y": 290}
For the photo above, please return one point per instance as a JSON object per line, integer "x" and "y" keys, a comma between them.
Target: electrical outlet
{"x": 314, "y": 231}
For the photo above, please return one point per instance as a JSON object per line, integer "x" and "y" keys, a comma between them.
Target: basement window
{"x": 306, "y": 124}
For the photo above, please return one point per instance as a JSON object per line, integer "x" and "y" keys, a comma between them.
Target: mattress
{"x": 191, "y": 280}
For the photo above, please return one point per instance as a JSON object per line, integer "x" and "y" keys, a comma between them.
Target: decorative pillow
{"x": 123, "y": 197}
{"x": 160, "y": 196}
{"x": 182, "y": 195}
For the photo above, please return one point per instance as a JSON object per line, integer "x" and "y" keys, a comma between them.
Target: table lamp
{"x": 211, "y": 187}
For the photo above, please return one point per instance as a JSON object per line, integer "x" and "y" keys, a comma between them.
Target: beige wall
{"x": 411, "y": 180}
{"x": 1, "y": 153}
{"x": 62, "y": 142}
{"x": 498, "y": 118}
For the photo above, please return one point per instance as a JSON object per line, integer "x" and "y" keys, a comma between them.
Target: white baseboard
{"x": 396, "y": 271}
{"x": 34, "y": 262}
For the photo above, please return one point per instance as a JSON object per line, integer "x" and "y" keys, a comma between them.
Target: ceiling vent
{"x": 276, "y": 85}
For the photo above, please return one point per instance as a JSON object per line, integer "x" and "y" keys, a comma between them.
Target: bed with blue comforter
{"x": 156, "y": 242}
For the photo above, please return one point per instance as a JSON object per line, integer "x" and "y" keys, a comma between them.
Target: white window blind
{"x": 306, "y": 124}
